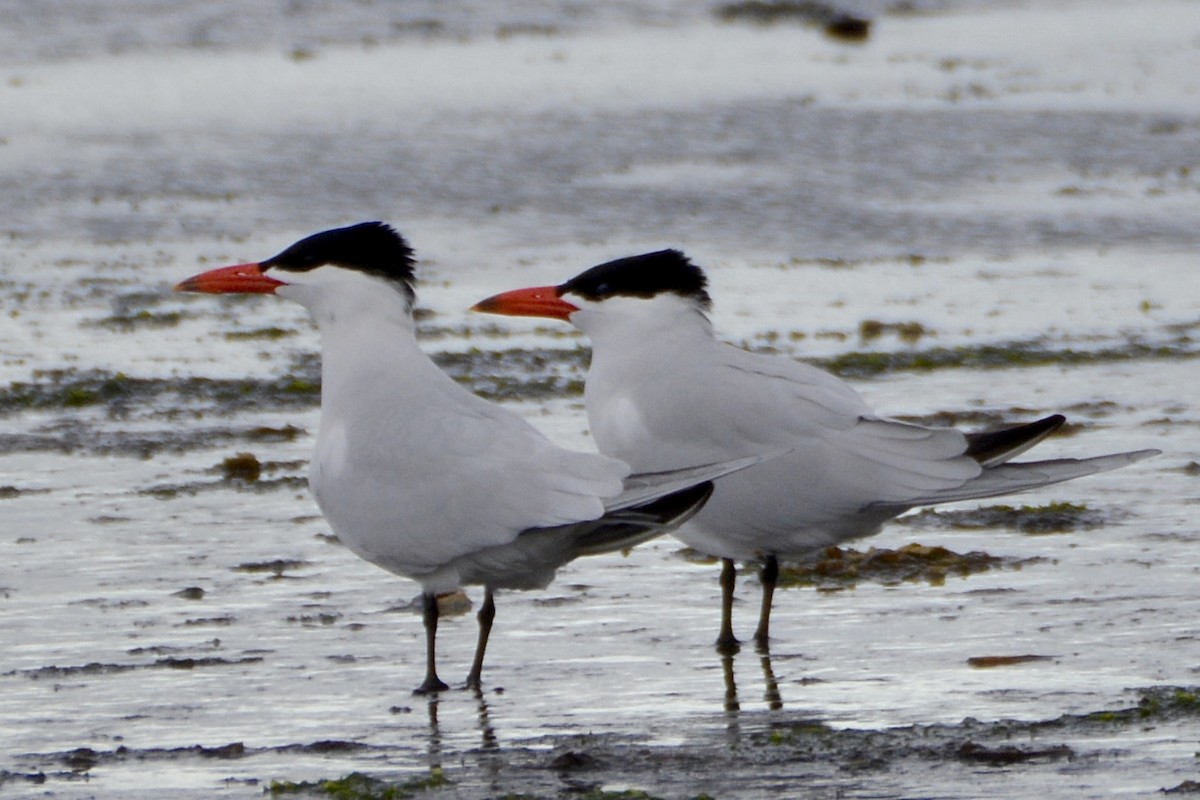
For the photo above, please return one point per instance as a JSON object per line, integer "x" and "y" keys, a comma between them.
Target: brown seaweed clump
{"x": 839, "y": 568}
{"x": 835, "y": 22}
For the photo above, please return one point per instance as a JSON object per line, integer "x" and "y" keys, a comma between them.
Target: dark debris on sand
{"x": 1049, "y": 518}
{"x": 737, "y": 755}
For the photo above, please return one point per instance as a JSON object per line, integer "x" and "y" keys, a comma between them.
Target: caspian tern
{"x": 662, "y": 391}
{"x": 416, "y": 474}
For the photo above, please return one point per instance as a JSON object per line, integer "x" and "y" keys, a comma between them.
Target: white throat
{"x": 337, "y": 297}
{"x": 619, "y": 324}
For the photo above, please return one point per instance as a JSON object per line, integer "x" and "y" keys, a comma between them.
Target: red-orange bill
{"x": 240, "y": 278}
{"x": 536, "y": 301}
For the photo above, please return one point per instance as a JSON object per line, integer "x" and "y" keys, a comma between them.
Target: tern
{"x": 662, "y": 391}
{"x": 423, "y": 478}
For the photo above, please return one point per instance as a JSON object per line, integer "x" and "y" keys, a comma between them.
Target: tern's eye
{"x": 602, "y": 290}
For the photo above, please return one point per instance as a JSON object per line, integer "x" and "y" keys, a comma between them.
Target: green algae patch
{"x": 301, "y": 386}
{"x": 839, "y": 568}
{"x": 514, "y": 374}
{"x": 908, "y": 332}
{"x": 69, "y": 389}
{"x": 104, "y": 390}
{"x": 323, "y": 620}
{"x": 999, "y": 743}
{"x": 607, "y": 767}
{"x": 12, "y": 492}
{"x": 793, "y": 733}
{"x": 131, "y": 312}
{"x": 357, "y": 786}
{"x": 261, "y": 486}
{"x": 140, "y": 320}
{"x": 518, "y": 373}
{"x": 988, "y": 419}
{"x": 99, "y": 668}
{"x": 998, "y": 356}
{"x": 260, "y": 334}
{"x": 1158, "y": 704}
{"x": 1154, "y": 704}
{"x": 1043, "y": 519}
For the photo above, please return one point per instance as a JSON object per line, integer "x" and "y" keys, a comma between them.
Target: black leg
{"x": 727, "y": 643}
{"x": 769, "y": 575}
{"x": 429, "y": 612}
{"x": 487, "y": 613}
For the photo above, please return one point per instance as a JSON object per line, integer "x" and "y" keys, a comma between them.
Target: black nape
{"x": 644, "y": 276}
{"x": 371, "y": 247}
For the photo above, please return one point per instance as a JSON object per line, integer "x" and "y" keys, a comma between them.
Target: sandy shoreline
{"x": 1008, "y": 179}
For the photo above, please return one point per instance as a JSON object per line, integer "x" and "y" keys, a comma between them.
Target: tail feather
{"x": 644, "y": 487}
{"x": 1011, "y": 478}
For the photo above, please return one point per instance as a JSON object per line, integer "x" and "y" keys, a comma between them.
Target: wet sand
{"x": 979, "y": 216}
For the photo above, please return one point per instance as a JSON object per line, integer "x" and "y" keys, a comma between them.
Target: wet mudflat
{"x": 980, "y": 215}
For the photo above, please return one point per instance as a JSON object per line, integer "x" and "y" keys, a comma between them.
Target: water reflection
{"x": 770, "y": 685}
{"x": 731, "y": 693}
{"x": 489, "y": 741}
{"x": 486, "y": 731}
{"x": 771, "y": 694}
{"x": 492, "y": 761}
{"x": 435, "y": 735}
{"x": 733, "y": 728}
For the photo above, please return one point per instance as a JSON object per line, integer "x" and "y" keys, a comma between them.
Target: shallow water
{"x": 1032, "y": 207}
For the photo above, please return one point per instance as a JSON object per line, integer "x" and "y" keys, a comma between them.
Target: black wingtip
{"x": 991, "y": 448}
{"x": 632, "y": 526}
